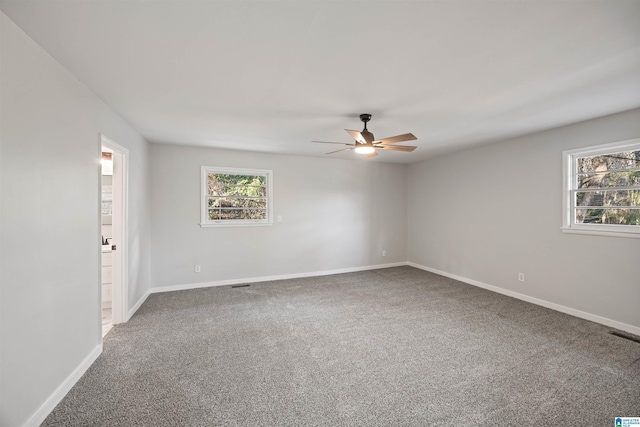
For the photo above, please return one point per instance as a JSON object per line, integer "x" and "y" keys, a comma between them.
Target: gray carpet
{"x": 390, "y": 347}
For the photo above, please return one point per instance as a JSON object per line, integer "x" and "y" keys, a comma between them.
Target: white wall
{"x": 336, "y": 214}
{"x": 50, "y": 223}
{"x": 488, "y": 213}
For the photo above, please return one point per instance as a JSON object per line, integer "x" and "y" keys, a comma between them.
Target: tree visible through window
{"x": 606, "y": 193}
{"x": 235, "y": 196}
{"x": 604, "y": 187}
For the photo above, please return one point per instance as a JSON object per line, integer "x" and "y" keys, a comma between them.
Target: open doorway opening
{"x": 114, "y": 286}
{"x": 106, "y": 226}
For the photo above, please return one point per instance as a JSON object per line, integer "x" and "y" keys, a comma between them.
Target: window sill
{"x": 601, "y": 232}
{"x": 246, "y": 224}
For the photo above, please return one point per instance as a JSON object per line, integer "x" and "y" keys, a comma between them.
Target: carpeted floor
{"x": 392, "y": 347}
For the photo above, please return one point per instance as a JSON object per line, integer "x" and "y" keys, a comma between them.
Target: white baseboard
{"x": 39, "y": 416}
{"x": 271, "y": 278}
{"x": 137, "y": 305}
{"x": 561, "y": 308}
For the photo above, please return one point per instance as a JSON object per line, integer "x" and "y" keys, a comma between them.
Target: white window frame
{"x": 204, "y": 212}
{"x": 569, "y": 185}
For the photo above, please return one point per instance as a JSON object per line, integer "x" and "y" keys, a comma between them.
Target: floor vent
{"x": 239, "y": 286}
{"x": 626, "y": 336}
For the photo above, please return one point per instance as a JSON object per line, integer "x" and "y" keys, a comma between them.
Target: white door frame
{"x": 120, "y": 222}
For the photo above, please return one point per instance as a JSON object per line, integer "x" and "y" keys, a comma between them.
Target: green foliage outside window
{"x": 608, "y": 190}
{"x": 236, "y": 197}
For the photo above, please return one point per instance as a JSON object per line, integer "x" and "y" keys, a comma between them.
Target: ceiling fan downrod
{"x": 366, "y": 135}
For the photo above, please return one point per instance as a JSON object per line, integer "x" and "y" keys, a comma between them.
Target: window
{"x": 235, "y": 197}
{"x": 602, "y": 189}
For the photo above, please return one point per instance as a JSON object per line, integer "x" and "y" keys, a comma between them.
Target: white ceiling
{"x": 273, "y": 75}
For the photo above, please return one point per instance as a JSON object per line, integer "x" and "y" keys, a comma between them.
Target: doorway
{"x": 113, "y": 225}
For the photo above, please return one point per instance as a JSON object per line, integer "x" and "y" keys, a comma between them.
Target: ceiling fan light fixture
{"x": 367, "y": 144}
{"x": 364, "y": 149}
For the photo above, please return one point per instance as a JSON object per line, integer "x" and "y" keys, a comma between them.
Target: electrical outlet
{"x": 384, "y": 252}
{"x": 197, "y": 268}
{"x": 279, "y": 218}
{"x": 521, "y": 277}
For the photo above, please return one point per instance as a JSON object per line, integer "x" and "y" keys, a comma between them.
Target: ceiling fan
{"x": 365, "y": 142}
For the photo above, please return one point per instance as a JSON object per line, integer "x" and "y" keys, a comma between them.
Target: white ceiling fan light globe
{"x": 365, "y": 149}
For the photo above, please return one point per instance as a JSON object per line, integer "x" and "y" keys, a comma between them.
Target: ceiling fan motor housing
{"x": 368, "y": 136}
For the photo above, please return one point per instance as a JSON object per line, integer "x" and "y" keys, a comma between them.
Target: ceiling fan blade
{"x": 397, "y": 138}
{"x": 372, "y": 154}
{"x": 396, "y": 147}
{"x": 329, "y": 142}
{"x": 337, "y": 151}
{"x": 356, "y": 135}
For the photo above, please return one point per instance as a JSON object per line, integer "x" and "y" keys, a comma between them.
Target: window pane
{"x": 220, "y": 179}
{"x": 233, "y": 190}
{"x": 216, "y": 202}
{"x": 253, "y": 203}
{"x": 609, "y": 162}
{"x": 624, "y": 216}
{"x": 256, "y": 213}
{"x": 215, "y": 190}
{"x": 232, "y": 214}
{"x": 214, "y": 214}
{"x": 609, "y": 179}
{"x": 608, "y": 198}
{"x": 243, "y": 214}
{"x": 251, "y": 191}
